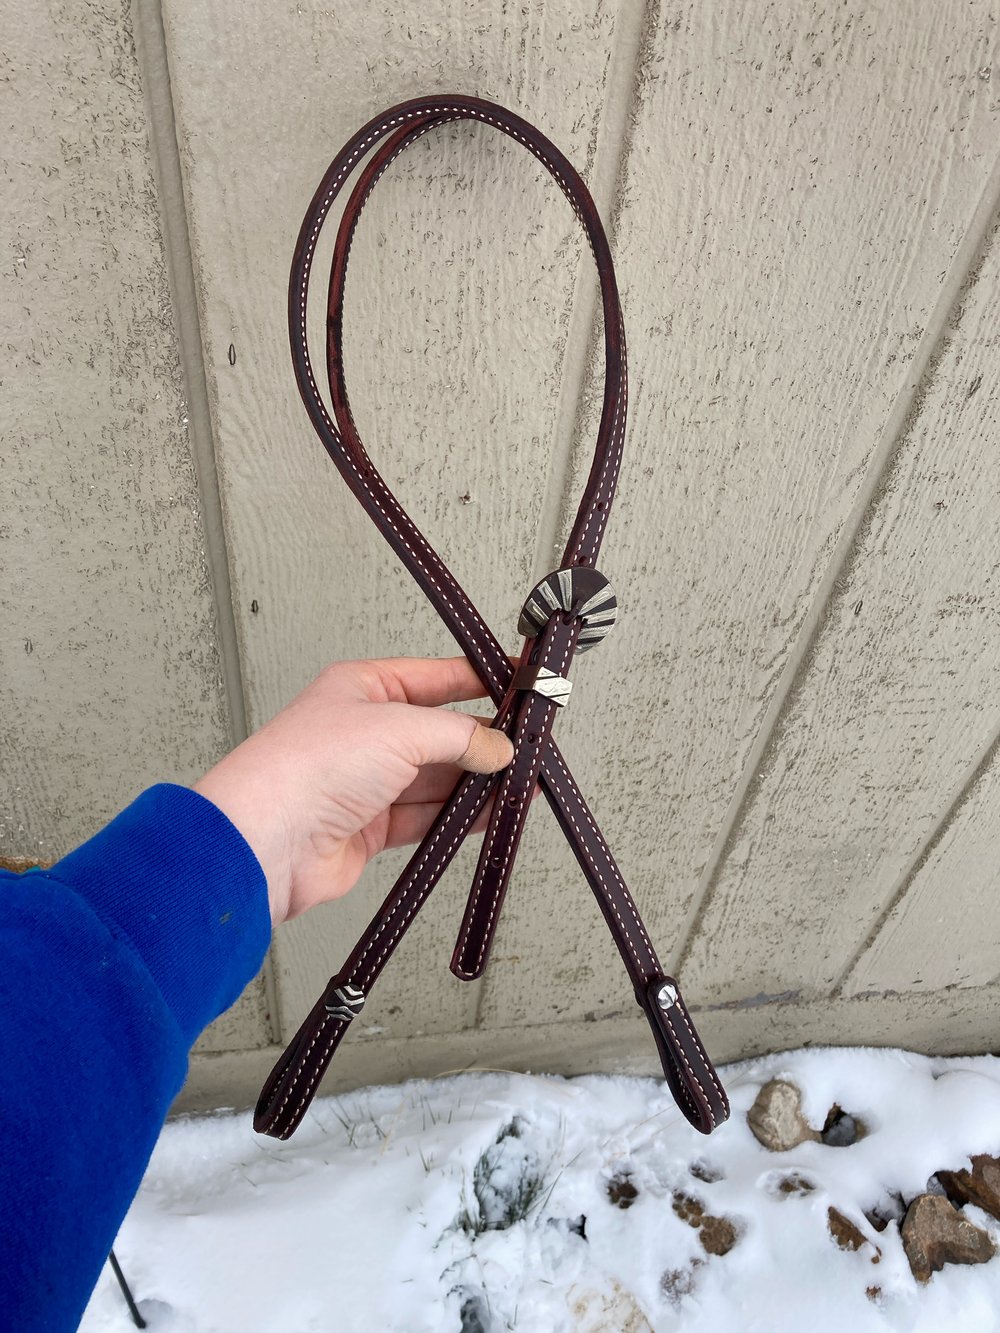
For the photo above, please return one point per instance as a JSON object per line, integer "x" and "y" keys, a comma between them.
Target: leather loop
{"x": 525, "y": 715}
{"x": 689, "y": 1072}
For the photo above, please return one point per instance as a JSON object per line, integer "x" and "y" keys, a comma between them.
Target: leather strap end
{"x": 531, "y": 727}
{"x": 689, "y": 1072}
{"x": 295, "y": 1078}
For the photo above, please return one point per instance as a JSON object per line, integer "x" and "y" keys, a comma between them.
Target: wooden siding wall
{"x": 790, "y": 740}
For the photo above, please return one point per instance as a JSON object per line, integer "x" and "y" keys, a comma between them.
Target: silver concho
{"x": 544, "y": 682}
{"x": 346, "y": 1003}
{"x": 585, "y": 592}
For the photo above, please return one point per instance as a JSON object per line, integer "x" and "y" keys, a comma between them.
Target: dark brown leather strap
{"x": 566, "y": 614}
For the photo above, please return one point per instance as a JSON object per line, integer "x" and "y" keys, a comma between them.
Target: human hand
{"x": 361, "y": 760}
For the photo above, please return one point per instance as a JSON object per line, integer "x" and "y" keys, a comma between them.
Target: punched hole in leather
{"x": 565, "y": 615}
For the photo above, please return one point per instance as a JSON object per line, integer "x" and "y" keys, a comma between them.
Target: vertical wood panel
{"x": 900, "y": 694}
{"x": 929, "y": 573}
{"x": 109, "y": 667}
{"x": 459, "y": 301}
{"x": 943, "y": 930}
{"x": 798, "y": 183}
{"x": 109, "y": 664}
{"x": 797, "y": 191}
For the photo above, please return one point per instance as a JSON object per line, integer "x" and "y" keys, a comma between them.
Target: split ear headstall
{"x": 568, "y": 612}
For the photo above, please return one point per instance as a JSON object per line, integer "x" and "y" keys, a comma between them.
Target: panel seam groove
{"x": 580, "y": 354}
{"x": 961, "y": 794}
{"x": 580, "y": 357}
{"x": 899, "y": 423}
{"x": 154, "y": 69}
{"x": 151, "y": 53}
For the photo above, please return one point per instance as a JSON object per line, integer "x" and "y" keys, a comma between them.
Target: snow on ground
{"x": 481, "y": 1202}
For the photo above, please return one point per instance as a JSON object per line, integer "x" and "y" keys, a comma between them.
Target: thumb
{"x": 488, "y": 750}
{"x": 441, "y": 736}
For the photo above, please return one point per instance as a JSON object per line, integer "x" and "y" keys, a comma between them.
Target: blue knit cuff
{"x": 173, "y": 877}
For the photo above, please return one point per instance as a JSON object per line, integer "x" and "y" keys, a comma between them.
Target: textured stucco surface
{"x": 108, "y": 660}
{"x": 109, "y": 665}
{"x": 790, "y": 740}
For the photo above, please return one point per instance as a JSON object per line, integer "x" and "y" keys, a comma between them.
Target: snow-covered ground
{"x": 493, "y": 1201}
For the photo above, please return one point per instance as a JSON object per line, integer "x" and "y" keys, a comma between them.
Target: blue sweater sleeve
{"x": 111, "y": 964}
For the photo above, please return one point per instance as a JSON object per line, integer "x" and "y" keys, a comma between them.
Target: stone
{"x": 841, "y": 1129}
{"x": 717, "y": 1234}
{"x": 849, "y": 1236}
{"x": 794, "y": 1184}
{"x": 776, "y": 1118}
{"x": 980, "y": 1186}
{"x": 595, "y": 1311}
{"x": 935, "y": 1233}
{"x": 688, "y": 1209}
{"x": 622, "y": 1192}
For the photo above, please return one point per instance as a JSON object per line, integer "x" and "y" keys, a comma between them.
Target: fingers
{"x": 434, "y": 782}
{"x": 440, "y": 736}
{"x": 409, "y": 823}
{"x": 429, "y": 682}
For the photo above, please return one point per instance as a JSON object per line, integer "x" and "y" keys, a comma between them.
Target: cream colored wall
{"x": 789, "y": 741}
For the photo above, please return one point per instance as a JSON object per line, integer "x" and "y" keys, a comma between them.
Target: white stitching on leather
{"x": 404, "y": 527}
{"x": 680, "y": 1048}
{"x": 554, "y": 754}
{"x": 609, "y": 478}
{"x": 441, "y": 115}
{"x": 543, "y": 729}
{"x": 362, "y": 977}
{"x": 694, "y": 1037}
{"x": 481, "y": 876}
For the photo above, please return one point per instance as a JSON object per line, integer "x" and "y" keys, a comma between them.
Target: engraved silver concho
{"x": 584, "y": 592}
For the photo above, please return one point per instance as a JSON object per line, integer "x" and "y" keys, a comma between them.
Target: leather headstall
{"x": 567, "y": 613}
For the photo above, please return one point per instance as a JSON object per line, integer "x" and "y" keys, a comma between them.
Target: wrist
{"x": 248, "y": 802}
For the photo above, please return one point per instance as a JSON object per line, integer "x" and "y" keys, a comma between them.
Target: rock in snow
{"x": 491, "y": 1202}
{"x": 597, "y": 1311}
{"x": 776, "y": 1117}
{"x": 935, "y": 1233}
{"x": 849, "y": 1236}
{"x": 717, "y": 1234}
{"x": 841, "y": 1128}
{"x": 980, "y": 1186}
